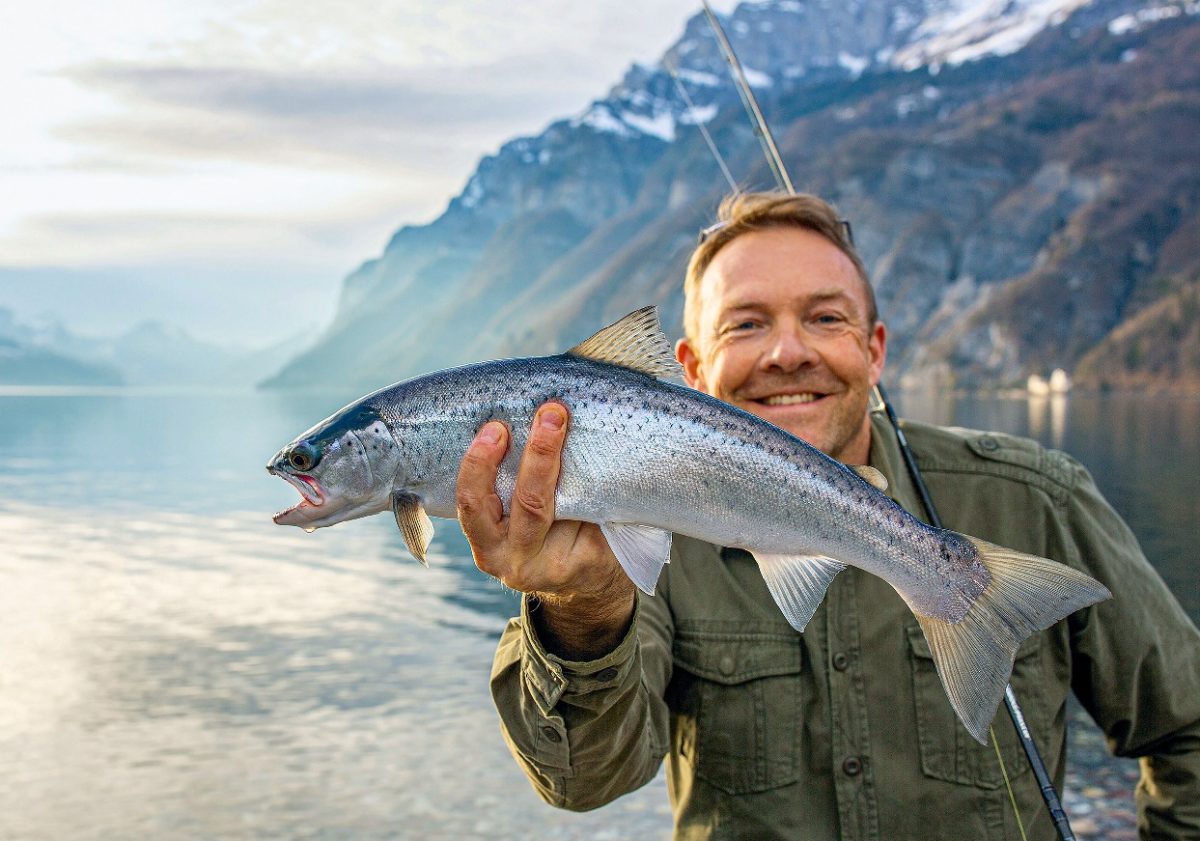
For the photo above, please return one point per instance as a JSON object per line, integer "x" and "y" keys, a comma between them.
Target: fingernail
{"x": 490, "y": 434}
{"x": 551, "y": 419}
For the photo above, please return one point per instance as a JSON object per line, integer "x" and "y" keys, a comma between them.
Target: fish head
{"x": 343, "y": 468}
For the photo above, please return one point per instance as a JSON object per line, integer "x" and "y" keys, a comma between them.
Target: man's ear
{"x": 690, "y": 360}
{"x": 876, "y": 350}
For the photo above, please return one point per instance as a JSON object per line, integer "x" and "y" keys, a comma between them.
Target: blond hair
{"x": 748, "y": 212}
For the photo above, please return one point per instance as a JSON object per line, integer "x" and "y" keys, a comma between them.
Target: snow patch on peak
{"x": 966, "y": 30}
{"x": 855, "y": 64}
{"x": 1134, "y": 21}
{"x": 472, "y": 193}
{"x": 660, "y": 125}
{"x": 699, "y": 78}
{"x": 600, "y": 119}
{"x": 756, "y": 78}
{"x": 699, "y": 115}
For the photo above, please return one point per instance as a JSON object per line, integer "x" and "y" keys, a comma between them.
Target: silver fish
{"x": 645, "y": 458}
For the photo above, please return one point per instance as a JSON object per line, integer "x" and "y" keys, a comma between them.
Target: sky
{"x": 223, "y": 164}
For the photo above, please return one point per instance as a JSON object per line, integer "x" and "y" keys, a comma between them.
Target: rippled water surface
{"x": 174, "y": 665}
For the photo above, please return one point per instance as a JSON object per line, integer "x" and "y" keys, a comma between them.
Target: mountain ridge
{"x": 986, "y": 190}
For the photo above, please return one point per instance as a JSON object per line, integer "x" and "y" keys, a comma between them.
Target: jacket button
{"x": 553, "y": 735}
{"x": 989, "y": 443}
{"x": 606, "y": 674}
{"x": 726, "y": 664}
{"x": 852, "y": 766}
{"x": 840, "y": 661}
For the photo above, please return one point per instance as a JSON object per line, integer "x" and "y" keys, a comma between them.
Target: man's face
{"x": 783, "y": 334}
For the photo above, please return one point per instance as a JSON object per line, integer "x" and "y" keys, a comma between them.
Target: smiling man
{"x": 781, "y": 322}
{"x": 842, "y": 731}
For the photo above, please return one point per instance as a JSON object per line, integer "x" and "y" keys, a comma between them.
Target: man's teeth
{"x": 790, "y": 399}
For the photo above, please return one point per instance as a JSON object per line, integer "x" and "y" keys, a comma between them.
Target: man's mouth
{"x": 790, "y": 399}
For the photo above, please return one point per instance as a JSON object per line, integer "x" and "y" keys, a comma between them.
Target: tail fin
{"x": 974, "y": 657}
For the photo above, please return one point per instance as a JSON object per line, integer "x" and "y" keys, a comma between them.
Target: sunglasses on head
{"x": 716, "y": 226}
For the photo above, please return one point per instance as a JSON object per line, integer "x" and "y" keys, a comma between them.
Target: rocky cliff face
{"x": 1021, "y": 178}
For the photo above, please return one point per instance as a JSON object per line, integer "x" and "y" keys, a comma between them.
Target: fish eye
{"x": 302, "y": 456}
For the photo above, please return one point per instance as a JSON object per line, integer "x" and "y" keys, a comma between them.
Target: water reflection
{"x": 1056, "y": 406}
{"x": 175, "y": 675}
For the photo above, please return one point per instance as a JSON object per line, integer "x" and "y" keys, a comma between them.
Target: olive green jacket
{"x": 844, "y": 731}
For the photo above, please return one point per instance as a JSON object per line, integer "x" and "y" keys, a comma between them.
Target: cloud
{"x": 376, "y": 117}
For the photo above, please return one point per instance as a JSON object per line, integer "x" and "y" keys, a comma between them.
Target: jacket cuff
{"x": 550, "y": 677}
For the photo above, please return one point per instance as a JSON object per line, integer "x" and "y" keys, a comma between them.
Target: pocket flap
{"x": 730, "y": 658}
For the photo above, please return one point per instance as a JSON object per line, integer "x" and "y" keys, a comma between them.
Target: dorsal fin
{"x": 636, "y": 341}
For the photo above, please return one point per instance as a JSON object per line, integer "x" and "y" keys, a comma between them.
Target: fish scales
{"x": 708, "y": 454}
{"x": 645, "y": 458}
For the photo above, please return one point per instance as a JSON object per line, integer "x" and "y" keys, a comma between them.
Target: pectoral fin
{"x": 798, "y": 583}
{"x": 642, "y": 551}
{"x": 414, "y": 523}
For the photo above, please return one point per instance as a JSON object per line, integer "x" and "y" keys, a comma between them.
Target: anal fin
{"x": 641, "y": 550}
{"x": 414, "y": 523}
{"x": 797, "y": 583}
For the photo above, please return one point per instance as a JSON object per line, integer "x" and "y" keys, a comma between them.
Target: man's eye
{"x": 829, "y": 318}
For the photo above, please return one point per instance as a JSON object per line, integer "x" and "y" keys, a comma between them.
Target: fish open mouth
{"x": 310, "y": 491}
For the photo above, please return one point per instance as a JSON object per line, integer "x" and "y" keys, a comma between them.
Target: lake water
{"x": 173, "y": 665}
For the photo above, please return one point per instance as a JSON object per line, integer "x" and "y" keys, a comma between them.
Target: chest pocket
{"x": 948, "y": 752}
{"x": 736, "y": 698}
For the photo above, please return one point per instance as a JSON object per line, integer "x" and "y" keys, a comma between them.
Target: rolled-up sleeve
{"x": 586, "y": 732}
{"x": 1136, "y": 668}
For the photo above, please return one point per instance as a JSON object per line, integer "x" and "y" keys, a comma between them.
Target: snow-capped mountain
{"x": 1017, "y": 171}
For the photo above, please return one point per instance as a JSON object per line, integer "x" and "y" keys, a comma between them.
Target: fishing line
{"x": 1012, "y": 798}
{"x": 779, "y": 170}
{"x": 692, "y": 112}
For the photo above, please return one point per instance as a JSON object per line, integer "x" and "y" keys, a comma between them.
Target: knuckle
{"x": 532, "y": 502}
{"x": 475, "y": 461}
{"x": 545, "y": 444}
{"x": 467, "y": 502}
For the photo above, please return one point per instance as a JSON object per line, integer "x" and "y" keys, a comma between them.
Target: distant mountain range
{"x": 1022, "y": 177}
{"x": 151, "y": 354}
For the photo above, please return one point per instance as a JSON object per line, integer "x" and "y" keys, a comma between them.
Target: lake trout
{"x": 645, "y": 457}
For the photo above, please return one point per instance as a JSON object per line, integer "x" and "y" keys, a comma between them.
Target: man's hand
{"x": 585, "y": 600}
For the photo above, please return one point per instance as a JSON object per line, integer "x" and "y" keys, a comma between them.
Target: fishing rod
{"x": 779, "y": 170}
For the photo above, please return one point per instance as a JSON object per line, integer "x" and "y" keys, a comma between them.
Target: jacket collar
{"x": 886, "y": 458}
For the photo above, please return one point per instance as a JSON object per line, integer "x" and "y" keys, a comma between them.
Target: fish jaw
{"x": 312, "y": 504}
{"x": 319, "y": 508}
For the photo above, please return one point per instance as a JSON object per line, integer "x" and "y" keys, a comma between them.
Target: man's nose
{"x": 789, "y": 350}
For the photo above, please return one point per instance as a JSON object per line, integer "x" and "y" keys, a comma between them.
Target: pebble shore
{"x": 1098, "y": 795}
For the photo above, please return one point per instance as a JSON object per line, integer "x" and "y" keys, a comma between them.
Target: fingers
{"x": 537, "y": 479}
{"x": 480, "y": 510}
